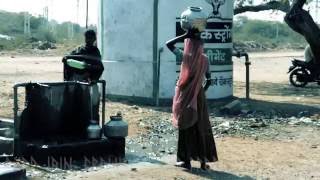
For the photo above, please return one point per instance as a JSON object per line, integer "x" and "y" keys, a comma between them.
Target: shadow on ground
{"x": 211, "y": 174}
{"x": 281, "y": 109}
{"x": 277, "y": 89}
{"x": 134, "y": 158}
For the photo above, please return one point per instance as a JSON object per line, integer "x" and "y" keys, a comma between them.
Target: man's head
{"x": 90, "y": 37}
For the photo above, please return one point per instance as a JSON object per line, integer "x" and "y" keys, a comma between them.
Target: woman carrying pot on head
{"x": 190, "y": 112}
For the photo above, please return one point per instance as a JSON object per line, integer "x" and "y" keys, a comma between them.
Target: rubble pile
{"x": 160, "y": 137}
{"x": 43, "y": 45}
{"x": 254, "y": 46}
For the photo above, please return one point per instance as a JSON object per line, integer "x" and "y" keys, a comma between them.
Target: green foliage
{"x": 272, "y": 33}
{"x": 19, "y": 42}
{"x": 12, "y": 24}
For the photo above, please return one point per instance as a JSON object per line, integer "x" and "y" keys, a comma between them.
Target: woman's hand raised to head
{"x": 171, "y": 43}
{"x": 192, "y": 33}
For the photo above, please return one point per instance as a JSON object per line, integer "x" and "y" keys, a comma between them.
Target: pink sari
{"x": 193, "y": 68}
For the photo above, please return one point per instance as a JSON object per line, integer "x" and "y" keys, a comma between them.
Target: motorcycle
{"x": 302, "y": 73}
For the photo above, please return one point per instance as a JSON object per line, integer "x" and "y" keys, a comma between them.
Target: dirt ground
{"x": 292, "y": 154}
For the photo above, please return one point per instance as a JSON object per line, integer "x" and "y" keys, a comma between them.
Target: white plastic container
{"x": 138, "y": 65}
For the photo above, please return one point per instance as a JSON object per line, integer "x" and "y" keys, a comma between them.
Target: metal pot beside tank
{"x": 193, "y": 18}
{"x": 116, "y": 127}
{"x": 94, "y": 130}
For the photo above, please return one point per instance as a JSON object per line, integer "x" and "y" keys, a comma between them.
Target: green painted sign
{"x": 218, "y": 56}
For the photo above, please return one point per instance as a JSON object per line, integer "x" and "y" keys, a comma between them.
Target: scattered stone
{"x": 316, "y": 117}
{"x": 225, "y": 124}
{"x": 246, "y": 111}
{"x": 142, "y": 124}
{"x": 43, "y": 45}
{"x": 232, "y": 108}
{"x": 314, "y": 146}
{"x": 305, "y": 120}
{"x": 134, "y": 169}
{"x": 179, "y": 178}
{"x": 303, "y": 114}
{"x": 249, "y": 46}
{"x": 135, "y": 107}
{"x": 294, "y": 121}
{"x": 258, "y": 125}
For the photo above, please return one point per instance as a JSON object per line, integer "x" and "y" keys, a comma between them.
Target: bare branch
{"x": 272, "y": 5}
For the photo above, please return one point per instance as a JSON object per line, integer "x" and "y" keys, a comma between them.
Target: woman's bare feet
{"x": 205, "y": 166}
{"x": 186, "y": 165}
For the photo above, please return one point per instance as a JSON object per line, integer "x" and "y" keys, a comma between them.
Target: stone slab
{"x": 12, "y": 173}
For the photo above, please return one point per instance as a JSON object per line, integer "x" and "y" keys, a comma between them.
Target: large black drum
{"x": 58, "y": 110}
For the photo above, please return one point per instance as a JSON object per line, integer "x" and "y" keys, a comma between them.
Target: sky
{"x": 279, "y": 16}
{"x": 59, "y": 10}
{"x": 66, "y": 10}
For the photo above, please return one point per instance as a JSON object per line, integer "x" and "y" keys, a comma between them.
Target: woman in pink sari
{"x": 190, "y": 112}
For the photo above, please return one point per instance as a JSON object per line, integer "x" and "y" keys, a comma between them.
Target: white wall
{"x": 169, "y": 10}
{"x": 127, "y": 45}
{"x": 126, "y": 41}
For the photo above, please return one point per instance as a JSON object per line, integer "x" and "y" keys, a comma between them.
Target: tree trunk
{"x": 297, "y": 18}
{"x": 300, "y": 21}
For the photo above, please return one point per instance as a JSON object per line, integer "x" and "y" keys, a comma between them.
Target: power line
{"x": 317, "y": 6}
{"x": 46, "y": 15}
{"x": 87, "y": 14}
{"x": 27, "y": 24}
{"x": 70, "y": 30}
{"x": 77, "y": 12}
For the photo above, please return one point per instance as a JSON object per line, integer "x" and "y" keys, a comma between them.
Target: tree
{"x": 296, "y": 17}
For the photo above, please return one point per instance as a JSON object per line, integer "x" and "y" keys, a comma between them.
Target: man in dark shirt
{"x": 90, "y": 55}
{"x": 89, "y": 48}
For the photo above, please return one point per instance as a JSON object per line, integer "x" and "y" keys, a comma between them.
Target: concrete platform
{"x": 6, "y": 158}
{"x": 6, "y": 145}
{"x": 12, "y": 173}
{"x": 62, "y": 155}
{"x": 6, "y": 123}
{"x": 6, "y": 132}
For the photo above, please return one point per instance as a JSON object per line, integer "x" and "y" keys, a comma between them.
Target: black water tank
{"x": 56, "y": 110}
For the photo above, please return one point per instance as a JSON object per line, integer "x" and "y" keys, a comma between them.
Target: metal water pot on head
{"x": 193, "y": 18}
{"x": 116, "y": 127}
